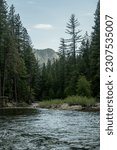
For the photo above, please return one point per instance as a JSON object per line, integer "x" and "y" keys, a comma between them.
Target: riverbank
{"x": 22, "y": 105}
{"x": 72, "y": 103}
{"x": 65, "y": 106}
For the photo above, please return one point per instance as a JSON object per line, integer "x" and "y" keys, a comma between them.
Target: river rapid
{"x": 45, "y": 129}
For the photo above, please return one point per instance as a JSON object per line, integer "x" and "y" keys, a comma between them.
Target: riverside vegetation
{"x": 72, "y": 100}
{"x": 72, "y": 103}
{"x": 76, "y": 72}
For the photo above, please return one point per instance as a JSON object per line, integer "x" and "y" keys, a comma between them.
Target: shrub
{"x": 71, "y": 100}
{"x": 83, "y": 87}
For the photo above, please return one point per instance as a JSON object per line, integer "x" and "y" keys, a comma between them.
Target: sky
{"x": 46, "y": 20}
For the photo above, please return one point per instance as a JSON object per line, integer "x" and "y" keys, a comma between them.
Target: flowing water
{"x": 44, "y": 129}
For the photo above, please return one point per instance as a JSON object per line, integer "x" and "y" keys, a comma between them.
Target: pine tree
{"x": 62, "y": 67}
{"x": 83, "y": 59}
{"x": 62, "y": 49}
{"x": 95, "y": 54}
{"x": 72, "y": 51}
{"x": 15, "y": 64}
{"x": 3, "y": 50}
{"x": 18, "y": 33}
{"x": 75, "y": 36}
{"x": 32, "y": 70}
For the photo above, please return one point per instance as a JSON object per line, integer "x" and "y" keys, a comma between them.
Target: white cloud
{"x": 43, "y": 26}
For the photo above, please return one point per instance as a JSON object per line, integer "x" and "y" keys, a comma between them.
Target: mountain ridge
{"x": 43, "y": 55}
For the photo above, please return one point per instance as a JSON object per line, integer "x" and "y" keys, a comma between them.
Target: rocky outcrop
{"x": 45, "y": 54}
{"x": 66, "y": 106}
{"x": 73, "y": 107}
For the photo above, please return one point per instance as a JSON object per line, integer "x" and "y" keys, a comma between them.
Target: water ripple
{"x": 50, "y": 130}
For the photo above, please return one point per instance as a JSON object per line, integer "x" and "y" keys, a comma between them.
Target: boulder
{"x": 76, "y": 107}
{"x": 64, "y": 106}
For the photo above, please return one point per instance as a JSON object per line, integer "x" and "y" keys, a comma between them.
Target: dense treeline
{"x": 18, "y": 66}
{"x": 76, "y": 72}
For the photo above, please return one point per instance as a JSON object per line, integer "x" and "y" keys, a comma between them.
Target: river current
{"x": 49, "y": 130}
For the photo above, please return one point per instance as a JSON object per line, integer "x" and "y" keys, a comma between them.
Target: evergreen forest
{"x": 75, "y": 73}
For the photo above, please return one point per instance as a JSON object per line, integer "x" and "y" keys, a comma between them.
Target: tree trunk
{"x": 30, "y": 90}
{"x": 4, "y": 75}
{"x": 15, "y": 89}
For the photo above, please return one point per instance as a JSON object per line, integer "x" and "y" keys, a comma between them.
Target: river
{"x": 49, "y": 130}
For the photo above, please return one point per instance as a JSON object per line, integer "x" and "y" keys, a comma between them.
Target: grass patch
{"x": 71, "y": 100}
{"x": 79, "y": 100}
{"x": 50, "y": 103}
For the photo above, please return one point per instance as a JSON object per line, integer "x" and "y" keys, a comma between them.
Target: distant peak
{"x": 43, "y": 55}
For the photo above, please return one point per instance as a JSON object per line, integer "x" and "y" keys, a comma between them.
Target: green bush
{"x": 80, "y": 100}
{"x": 83, "y": 87}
